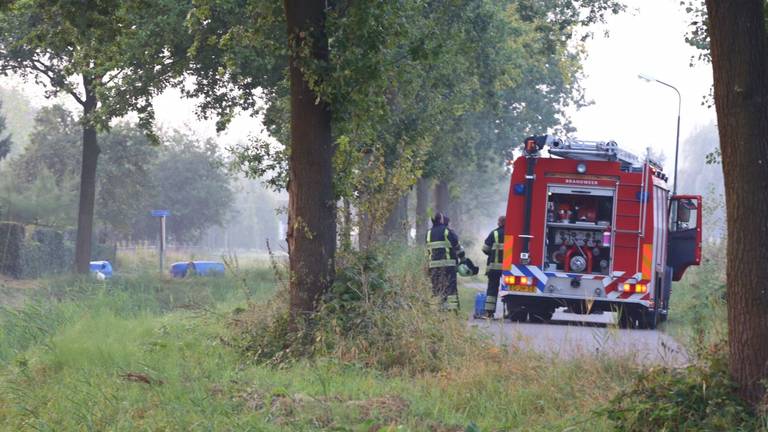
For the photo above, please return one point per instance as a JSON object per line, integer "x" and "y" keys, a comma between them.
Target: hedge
{"x": 32, "y": 251}
{"x": 11, "y": 245}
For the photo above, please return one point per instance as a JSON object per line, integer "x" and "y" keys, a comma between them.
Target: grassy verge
{"x": 142, "y": 353}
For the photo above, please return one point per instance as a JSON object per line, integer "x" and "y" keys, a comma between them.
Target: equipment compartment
{"x": 578, "y": 233}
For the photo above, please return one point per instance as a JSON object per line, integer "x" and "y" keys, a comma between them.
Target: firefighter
{"x": 494, "y": 248}
{"x": 444, "y": 251}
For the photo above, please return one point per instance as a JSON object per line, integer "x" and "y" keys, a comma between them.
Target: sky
{"x": 648, "y": 39}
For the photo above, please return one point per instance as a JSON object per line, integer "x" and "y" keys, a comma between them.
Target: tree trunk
{"x": 442, "y": 197}
{"x": 396, "y": 225}
{"x": 346, "y": 226}
{"x": 364, "y": 230}
{"x": 740, "y": 66}
{"x": 311, "y": 203}
{"x": 91, "y": 152}
{"x": 422, "y": 208}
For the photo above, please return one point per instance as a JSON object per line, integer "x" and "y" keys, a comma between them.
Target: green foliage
{"x": 379, "y": 313}
{"x": 133, "y": 177}
{"x": 193, "y": 183}
{"x": 700, "y": 398}
{"x": 54, "y": 145}
{"x": 44, "y": 200}
{"x": 45, "y": 253}
{"x": 121, "y": 51}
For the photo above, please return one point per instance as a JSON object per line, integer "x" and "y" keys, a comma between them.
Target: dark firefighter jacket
{"x": 494, "y": 248}
{"x": 443, "y": 246}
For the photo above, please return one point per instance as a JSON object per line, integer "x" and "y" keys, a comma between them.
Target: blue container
{"x": 103, "y": 267}
{"x": 480, "y": 304}
{"x": 199, "y": 268}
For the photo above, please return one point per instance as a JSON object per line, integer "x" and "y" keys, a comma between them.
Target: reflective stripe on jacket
{"x": 443, "y": 247}
{"x": 494, "y": 248}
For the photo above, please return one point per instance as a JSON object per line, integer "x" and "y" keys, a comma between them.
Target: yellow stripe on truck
{"x": 508, "y": 243}
{"x": 647, "y": 260}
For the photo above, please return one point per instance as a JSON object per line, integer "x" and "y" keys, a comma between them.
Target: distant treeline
{"x": 183, "y": 174}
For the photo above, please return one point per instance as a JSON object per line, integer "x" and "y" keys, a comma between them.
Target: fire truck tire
{"x": 541, "y": 315}
{"x": 648, "y": 319}
{"x": 518, "y": 316}
{"x": 580, "y": 308}
{"x": 625, "y": 319}
{"x": 663, "y": 316}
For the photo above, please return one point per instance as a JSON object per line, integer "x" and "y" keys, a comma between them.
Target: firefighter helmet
{"x": 468, "y": 268}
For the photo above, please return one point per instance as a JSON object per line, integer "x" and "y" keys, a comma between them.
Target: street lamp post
{"x": 677, "y": 137}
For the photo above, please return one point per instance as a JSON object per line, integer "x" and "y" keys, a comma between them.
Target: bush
{"x": 45, "y": 253}
{"x": 379, "y": 313}
{"x": 33, "y": 251}
{"x": 696, "y": 398}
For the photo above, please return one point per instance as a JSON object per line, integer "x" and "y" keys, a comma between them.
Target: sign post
{"x": 161, "y": 214}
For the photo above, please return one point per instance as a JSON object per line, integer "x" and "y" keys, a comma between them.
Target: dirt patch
{"x": 385, "y": 408}
{"x": 14, "y": 292}
{"x": 140, "y": 378}
{"x": 21, "y": 284}
{"x": 284, "y": 409}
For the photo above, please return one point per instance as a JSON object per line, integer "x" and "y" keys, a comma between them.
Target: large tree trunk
{"x": 740, "y": 66}
{"x": 396, "y": 225}
{"x": 442, "y": 197}
{"x": 311, "y": 203}
{"x": 91, "y": 152}
{"x": 422, "y": 208}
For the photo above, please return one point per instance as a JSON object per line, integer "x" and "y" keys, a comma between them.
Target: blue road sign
{"x": 160, "y": 213}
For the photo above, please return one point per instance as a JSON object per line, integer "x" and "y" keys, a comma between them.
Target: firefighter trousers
{"x": 444, "y": 287}
{"x": 492, "y": 293}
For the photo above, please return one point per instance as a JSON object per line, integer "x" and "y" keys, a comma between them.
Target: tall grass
{"x": 698, "y": 315}
{"x": 145, "y": 353}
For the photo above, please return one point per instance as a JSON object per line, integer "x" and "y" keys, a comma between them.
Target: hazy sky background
{"x": 637, "y": 114}
{"x": 649, "y": 39}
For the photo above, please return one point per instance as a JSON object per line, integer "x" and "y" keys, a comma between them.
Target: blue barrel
{"x": 197, "y": 268}
{"x": 103, "y": 267}
{"x": 480, "y": 304}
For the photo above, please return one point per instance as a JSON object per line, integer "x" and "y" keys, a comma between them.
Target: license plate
{"x": 523, "y": 288}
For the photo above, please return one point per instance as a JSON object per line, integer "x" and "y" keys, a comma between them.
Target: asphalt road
{"x": 568, "y": 336}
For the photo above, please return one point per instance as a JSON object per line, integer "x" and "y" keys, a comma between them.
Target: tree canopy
{"x": 110, "y": 56}
{"x": 416, "y": 88}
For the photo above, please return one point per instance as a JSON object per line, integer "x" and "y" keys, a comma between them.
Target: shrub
{"x": 45, "y": 253}
{"x": 696, "y": 398}
{"x": 379, "y": 313}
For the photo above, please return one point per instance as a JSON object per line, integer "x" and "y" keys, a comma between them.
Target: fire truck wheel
{"x": 648, "y": 319}
{"x": 626, "y": 320}
{"x": 541, "y": 315}
{"x": 518, "y": 316}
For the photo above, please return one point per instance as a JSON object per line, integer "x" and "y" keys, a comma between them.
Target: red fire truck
{"x": 592, "y": 228}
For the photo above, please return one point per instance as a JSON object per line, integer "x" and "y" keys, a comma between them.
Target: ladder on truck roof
{"x": 593, "y": 150}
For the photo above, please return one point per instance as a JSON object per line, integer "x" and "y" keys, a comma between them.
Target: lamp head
{"x": 646, "y": 77}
